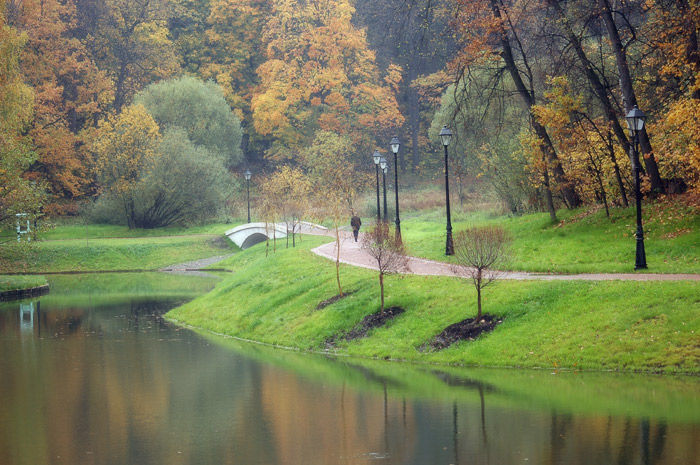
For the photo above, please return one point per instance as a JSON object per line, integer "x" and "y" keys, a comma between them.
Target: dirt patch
{"x": 221, "y": 242}
{"x": 333, "y": 300}
{"x": 369, "y": 322}
{"x": 468, "y": 329}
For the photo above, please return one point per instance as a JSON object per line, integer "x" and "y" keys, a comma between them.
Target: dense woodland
{"x": 122, "y": 108}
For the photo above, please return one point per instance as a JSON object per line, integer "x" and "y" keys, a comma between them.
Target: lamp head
{"x": 395, "y": 144}
{"x": 376, "y": 157}
{"x": 635, "y": 120}
{"x": 247, "y": 175}
{"x": 446, "y": 136}
{"x": 382, "y": 163}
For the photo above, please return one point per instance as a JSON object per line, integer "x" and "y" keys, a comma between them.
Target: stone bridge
{"x": 249, "y": 234}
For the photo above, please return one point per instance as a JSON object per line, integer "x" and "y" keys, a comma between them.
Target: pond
{"x": 92, "y": 374}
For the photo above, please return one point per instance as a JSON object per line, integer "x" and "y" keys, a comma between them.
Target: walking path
{"x": 352, "y": 254}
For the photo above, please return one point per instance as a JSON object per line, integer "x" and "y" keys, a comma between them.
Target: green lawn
{"x": 584, "y": 241}
{"x": 629, "y": 326}
{"x": 12, "y": 283}
{"x": 110, "y": 248}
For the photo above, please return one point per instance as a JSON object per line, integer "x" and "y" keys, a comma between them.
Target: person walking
{"x": 355, "y": 222}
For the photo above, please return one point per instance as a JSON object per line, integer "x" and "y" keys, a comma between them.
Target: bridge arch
{"x": 249, "y": 234}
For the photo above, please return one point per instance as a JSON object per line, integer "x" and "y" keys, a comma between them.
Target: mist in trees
{"x": 535, "y": 92}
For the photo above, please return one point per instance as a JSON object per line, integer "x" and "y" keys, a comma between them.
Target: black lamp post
{"x": 395, "y": 144}
{"x": 382, "y": 165}
{"x": 446, "y": 136}
{"x": 635, "y": 123}
{"x": 247, "y": 175}
{"x": 376, "y": 157}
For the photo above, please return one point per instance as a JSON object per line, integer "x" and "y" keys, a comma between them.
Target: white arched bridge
{"x": 249, "y": 234}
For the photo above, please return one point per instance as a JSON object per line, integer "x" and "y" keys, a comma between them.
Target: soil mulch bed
{"x": 369, "y": 322}
{"x": 333, "y": 300}
{"x": 468, "y": 329}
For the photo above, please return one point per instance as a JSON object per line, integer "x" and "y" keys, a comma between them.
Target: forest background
{"x": 129, "y": 106}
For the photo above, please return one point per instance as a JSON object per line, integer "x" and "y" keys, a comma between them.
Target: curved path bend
{"x": 352, "y": 254}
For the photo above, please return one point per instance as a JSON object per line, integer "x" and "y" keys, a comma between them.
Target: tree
{"x": 478, "y": 251}
{"x": 126, "y": 147}
{"x": 415, "y": 35}
{"x": 485, "y": 145}
{"x": 129, "y": 40}
{"x": 387, "y": 251}
{"x": 492, "y": 33}
{"x": 335, "y": 180}
{"x": 70, "y": 94}
{"x": 320, "y": 75}
{"x": 627, "y": 87}
{"x": 186, "y": 185}
{"x": 287, "y": 191}
{"x": 199, "y": 109}
{"x": 17, "y": 194}
{"x": 152, "y": 181}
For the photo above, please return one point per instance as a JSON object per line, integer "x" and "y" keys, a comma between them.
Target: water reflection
{"x": 102, "y": 378}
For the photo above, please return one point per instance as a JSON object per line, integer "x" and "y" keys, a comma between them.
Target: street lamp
{"x": 446, "y": 136}
{"x": 376, "y": 157}
{"x": 635, "y": 123}
{"x": 395, "y": 144}
{"x": 382, "y": 165}
{"x": 247, "y": 175}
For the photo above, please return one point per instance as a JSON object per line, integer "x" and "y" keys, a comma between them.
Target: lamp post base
{"x": 640, "y": 262}
{"x": 449, "y": 247}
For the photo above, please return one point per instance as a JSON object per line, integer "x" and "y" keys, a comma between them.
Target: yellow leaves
{"x": 320, "y": 73}
{"x": 126, "y": 145}
{"x": 678, "y": 146}
{"x": 154, "y": 33}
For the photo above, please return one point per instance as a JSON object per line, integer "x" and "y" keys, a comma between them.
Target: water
{"x": 91, "y": 374}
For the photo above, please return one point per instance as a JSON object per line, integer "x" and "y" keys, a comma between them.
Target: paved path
{"x": 352, "y": 254}
{"x": 194, "y": 267}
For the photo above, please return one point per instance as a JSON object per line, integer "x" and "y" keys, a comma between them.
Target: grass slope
{"x": 615, "y": 325}
{"x": 109, "y": 254}
{"x": 13, "y": 283}
{"x": 584, "y": 241}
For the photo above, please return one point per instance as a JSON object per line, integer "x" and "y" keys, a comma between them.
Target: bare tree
{"x": 389, "y": 253}
{"x": 478, "y": 251}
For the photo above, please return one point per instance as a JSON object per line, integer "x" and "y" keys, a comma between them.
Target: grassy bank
{"x": 584, "y": 241}
{"x": 112, "y": 248}
{"x": 12, "y": 283}
{"x": 625, "y": 326}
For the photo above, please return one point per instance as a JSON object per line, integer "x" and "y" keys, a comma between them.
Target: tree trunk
{"x": 599, "y": 88}
{"x": 478, "y": 301}
{"x": 548, "y": 191}
{"x": 628, "y": 94}
{"x": 381, "y": 287}
{"x": 337, "y": 260}
{"x": 618, "y": 176}
{"x": 414, "y": 121}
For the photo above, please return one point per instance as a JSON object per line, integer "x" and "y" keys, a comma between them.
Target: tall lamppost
{"x": 383, "y": 166}
{"x": 446, "y": 136}
{"x": 635, "y": 123}
{"x": 376, "y": 157}
{"x": 395, "y": 144}
{"x": 247, "y": 175}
